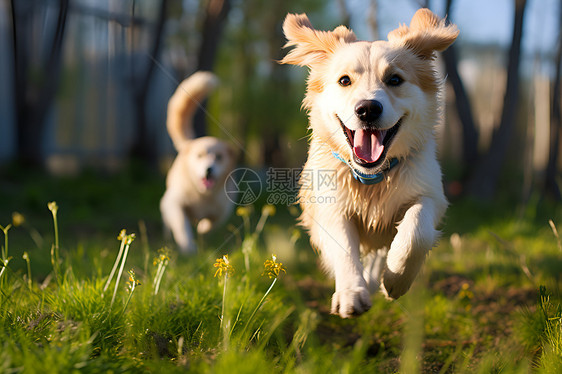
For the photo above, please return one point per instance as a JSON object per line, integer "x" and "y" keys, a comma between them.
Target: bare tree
{"x": 344, "y": 13}
{"x": 551, "y": 186}
{"x": 373, "y": 21}
{"x": 462, "y": 104}
{"x": 143, "y": 145}
{"x": 35, "y": 85}
{"x": 216, "y": 12}
{"x": 484, "y": 178}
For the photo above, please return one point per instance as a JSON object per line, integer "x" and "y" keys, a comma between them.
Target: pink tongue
{"x": 367, "y": 144}
{"x": 208, "y": 183}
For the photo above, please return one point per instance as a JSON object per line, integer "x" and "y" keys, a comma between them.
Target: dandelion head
{"x": 268, "y": 210}
{"x": 243, "y": 211}
{"x": 133, "y": 281}
{"x": 163, "y": 257}
{"x": 223, "y": 266}
{"x": 53, "y": 207}
{"x": 17, "y": 219}
{"x": 122, "y": 234}
{"x": 272, "y": 268}
{"x": 465, "y": 293}
{"x": 130, "y": 238}
{"x": 132, "y": 276}
{"x": 294, "y": 211}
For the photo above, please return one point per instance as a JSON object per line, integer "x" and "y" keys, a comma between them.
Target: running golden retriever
{"x": 195, "y": 192}
{"x": 373, "y": 109}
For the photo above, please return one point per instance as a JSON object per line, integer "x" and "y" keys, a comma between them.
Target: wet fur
{"x": 372, "y": 237}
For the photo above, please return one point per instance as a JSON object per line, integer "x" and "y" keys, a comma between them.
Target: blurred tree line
{"x": 150, "y": 46}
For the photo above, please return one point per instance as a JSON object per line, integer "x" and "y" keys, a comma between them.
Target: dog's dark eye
{"x": 345, "y": 81}
{"x": 218, "y": 157}
{"x": 394, "y": 80}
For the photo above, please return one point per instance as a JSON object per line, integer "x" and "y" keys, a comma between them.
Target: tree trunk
{"x": 216, "y": 12}
{"x": 484, "y": 179}
{"x": 144, "y": 146}
{"x": 344, "y": 13}
{"x": 373, "y": 20}
{"x": 34, "y": 97}
{"x": 551, "y": 186}
{"x": 463, "y": 106}
{"x": 278, "y": 82}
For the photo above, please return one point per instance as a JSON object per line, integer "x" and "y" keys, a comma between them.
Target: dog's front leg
{"x": 338, "y": 241}
{"x": 207, "y": 224}
{"x": 176, "y": 220}
{"x": 415, "y": 237}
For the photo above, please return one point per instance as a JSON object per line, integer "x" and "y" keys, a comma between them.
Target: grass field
{"x": 488, "y": 300}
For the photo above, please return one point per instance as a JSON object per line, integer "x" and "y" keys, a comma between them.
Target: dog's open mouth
{"x": 208, "y": 183}
{"x": 208, "y": 180}
{"x": 370, "y": 145}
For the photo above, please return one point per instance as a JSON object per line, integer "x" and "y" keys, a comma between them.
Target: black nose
{"x": 368, "y": 110}
{"x": 209, "y": 172}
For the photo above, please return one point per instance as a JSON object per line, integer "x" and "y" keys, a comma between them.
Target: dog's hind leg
{"x": 176, "y": 220}
{"x": 373, "y": 265}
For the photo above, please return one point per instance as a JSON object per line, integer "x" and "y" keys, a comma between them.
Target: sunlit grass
{"x": 478, "y": 306}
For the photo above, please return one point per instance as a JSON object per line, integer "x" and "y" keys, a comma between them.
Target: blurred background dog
{"x": 195, "y": 193}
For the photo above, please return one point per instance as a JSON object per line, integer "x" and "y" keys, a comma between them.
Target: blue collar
{"x": 367, "y": 178}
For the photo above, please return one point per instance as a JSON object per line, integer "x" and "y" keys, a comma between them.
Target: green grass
{"x": 488, "y": 299}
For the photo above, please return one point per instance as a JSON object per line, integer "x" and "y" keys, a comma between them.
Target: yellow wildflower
{"x": 272, "y": 268}
{"x": 122, "y": 234}
{"x": 223, "y": 266}
{"x": 243, "y": 211}
{"x": 163, "y": 256}
{"x": 268, "y": 210}
{"x": 17, "y": 219}
{"x": 129, "y": 239}
{"x": 133, "y": 281}
{"x": 53, "y": 207}
{"x": 465, "y": 293}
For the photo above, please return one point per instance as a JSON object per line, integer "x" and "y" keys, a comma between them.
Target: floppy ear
{"x": 311, "y": 46}
{"x": 425, "y": 35}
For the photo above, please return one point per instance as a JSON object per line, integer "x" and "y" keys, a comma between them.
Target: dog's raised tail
{"x": 183, "y": 104}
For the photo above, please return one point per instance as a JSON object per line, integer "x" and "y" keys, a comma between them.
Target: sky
{"x": 480, "y": 21}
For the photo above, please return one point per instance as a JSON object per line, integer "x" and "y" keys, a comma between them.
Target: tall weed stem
{"x": 131, "y": 285}
{"x": 162, "y": 261}
{"x": 258, "y": 306}
{"x": 224, "y": 267}
{"x": 53, "y": 207}
{"x": 26, "y": 258}
{"x": 5, "y": 247}
{"x": 128, "y": 241}
{"x": 123, "y": 237}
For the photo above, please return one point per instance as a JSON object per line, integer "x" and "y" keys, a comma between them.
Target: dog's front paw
{"x": 204, "y": 226}
{"x": 351, "y": 302}
{"x": 395, "y": 285}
